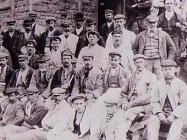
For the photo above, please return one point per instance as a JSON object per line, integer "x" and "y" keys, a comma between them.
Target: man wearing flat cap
{"x": 155, "y": 44}
{"x": 169, "y": 103}
{"x": 128, "y": 37}
{"x": 13, "y": 41}
{"x": 136, "y": 96}
{"x": 68, "y": 40}
{"x": 5, "y": 70}
{"x": 64, "y": 77}
{"x": 99, "y": 53}
{"x": 90, "y": 25}
{"x": 12, "y": 113}
{"x": 88, "y": 79}
{"x": 79, "y": 22}
{"x": 107, "y": 27}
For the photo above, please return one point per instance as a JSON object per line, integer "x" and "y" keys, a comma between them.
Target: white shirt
{"x": 109, "y": 24}
{"x": 28, "y": 109}
{"x": 22, "y": 76}
{"x": 78, "y": 31}
{"x": 55, "y": 58}
{"x": 169, "y": 15}
{"x": 27, "y": 35}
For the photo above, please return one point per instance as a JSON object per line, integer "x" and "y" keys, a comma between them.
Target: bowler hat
{"x": 79, "y": 16}
{"x": 43, "y": 57}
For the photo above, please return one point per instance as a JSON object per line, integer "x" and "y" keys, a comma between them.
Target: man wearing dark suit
{"x": 79, "y": 22}
{"x": 107, "y": 27}
{"x": 5, "y": 70}
{"x": 13, "y": 41}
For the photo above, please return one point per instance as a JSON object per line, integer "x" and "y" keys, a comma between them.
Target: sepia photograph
{"x": 93, "y": 69}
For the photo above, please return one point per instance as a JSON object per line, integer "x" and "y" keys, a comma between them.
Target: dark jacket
{"x": 9, "y": 72}
{"x": 83, "y": 32}
{"x": 105, "y": 30}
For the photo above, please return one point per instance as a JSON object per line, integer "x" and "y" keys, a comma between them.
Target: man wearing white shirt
{"x": 68, "y": 40}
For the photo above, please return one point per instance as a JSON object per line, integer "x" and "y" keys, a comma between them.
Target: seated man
{"x": 34, "y": 113}
{"x": 169, "y": 103}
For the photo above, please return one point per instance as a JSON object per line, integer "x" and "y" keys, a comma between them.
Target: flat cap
{"x": 79, "y": 16}
{"x": 67, "y": 52}
{"x": 119, "y": 16}
{"x": 50, "y": 19}
{"x": 78, "y": 96}
{"x": 152, "y": 19}
{"x": 114, "y": 53}
{"x": 93, "y": 33}
{"x": 168, "y": 63}
{"x": 55, "y": 38}
{"x": 11, "y": 22}
{"x": 28, "y": 21}
{"x": 139, "y": 56}
{"x": 31, "y": 41}
{"x": 10, "y": 90}
{"x": 23, "y": 56}
{"x": 43, "y": 57}
{"x": 66, "y": 23}
{"x": 117, "y": 31}
{"x": 3, "y": 55}
{"x": 112, "y": 99}
{"x": 86, "y": 55}
{"x": 32, "y": 90}
{"x": 58, "y": 91}
{"x": 109, "y": 11}
{"x": 90, "y": 21}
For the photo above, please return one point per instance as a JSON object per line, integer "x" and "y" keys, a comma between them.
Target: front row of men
{"x": 102, "y": 105}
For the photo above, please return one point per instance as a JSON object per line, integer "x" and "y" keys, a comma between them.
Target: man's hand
{"x": 162, "y": 117}
{"x": 171, "y": 118}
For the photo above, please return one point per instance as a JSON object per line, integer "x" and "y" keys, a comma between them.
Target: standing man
{"x": 13, "y": 41}
{"x": 156, "y": 45}
{"x": 169, "y": 103}
{"x": 79, "y": 22}
{"x": 107, "y": 27}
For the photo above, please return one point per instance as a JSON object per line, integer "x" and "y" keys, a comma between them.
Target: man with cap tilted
{"x": 13, "y": 42}
{"x": 136, "y": 96}
{"x": 5, "y": 70}
{"x": 42, "y": 77}
{"x": 90, "y": 25}
{"x": 169, "y": 103}
{"x": 68, "y": 40}
{"x": 155, "y": 44}
{"x": 64, "y": 77}
{"x": 79, "y": 22}
{"x": 107, "y": 27}
{"x": 99, "y": 53}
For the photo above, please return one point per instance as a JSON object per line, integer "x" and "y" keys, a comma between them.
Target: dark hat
{"x": 32, "y": 90}
{"x": 119, "y": 16}
{"x": 90, "y": 21}
{"x": 114, "y": 53}
{"x": 50, "y": 19}
{"x": 33, "y": 15}
{"x": 139, "y": 56}
{"x": 10, "y": 91}
{"x": 43, "y": 57}
{"x": 23, "y": 56}
{"x": 67, "y": 52}
{"x": 117, "y": 31}
{"x": 58, "y": 91}
{"x": 11, "y": 22}
{"x": 27, "y": 21}
{"x": 78, "y": 96}
{"x": 31, "y": 41}
{"x": 168, "y": 63}
{"x": 79, "y": 16}
{"x": 93, "y": 33}
{"x": 3, "y": 55}
{"x": 66, "y": 23}
{"x": 152, "y": 19}
{"x": 109, "y": 11}
{"x": 86, "y": 55}
{"x": 55, "y": 38}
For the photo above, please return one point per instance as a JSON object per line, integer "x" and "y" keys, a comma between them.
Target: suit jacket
{"x": 83, "y": 32}
{"x": 177, "y": 94}
{"x": 9, "y": 72}
{"x": 13, "y": 80}
{"x": 105, "y": 30}
{"x": 33, "y": 61}
{"x": 166, "y": 46}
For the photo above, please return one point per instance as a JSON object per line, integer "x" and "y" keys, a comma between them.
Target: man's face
{"x": 58, "y": 98}
{"x": 117, "y": 39}
{"x": 79, "y": 23}
{"x": 169, "y": 5}
{"x": 55, "y": 44}
{"x": 67, "y": 61}
{"x": 12, "y": 97}
{"x": 51, "y": 25}
{"x": 154, "y": 11}
{"x": 169, "y": 72}
{"x": 30, "y": 48}
{"x": 3, "y": 62}
{"x": 23, "y": 63}
{"x": 28, "y": 28}
{"x": 91, "y": 27}
{"x": 152, "y": 25}
{"x": 120, "y": 23}
{"x": 11, "y": 27}
{"x": 109, "y": 17}
{"x": 140, "y": 64}
{"x": 93, "y": 39}
{"x": 79, "y": 105}
{"x": 114, "y": 61}
{"x": 32, "y": 97}
{"x": 66, "y": 29}
{"x": 111, "y": 108}
{"x": 43, "y": 66}
{"x": 88, "y": 62}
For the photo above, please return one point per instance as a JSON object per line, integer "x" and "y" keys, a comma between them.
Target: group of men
{"x": 86, "y": 85}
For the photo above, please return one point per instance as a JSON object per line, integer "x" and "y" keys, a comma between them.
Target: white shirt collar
{"x": 78, "y": 31}
{"x": 169, "y": 15}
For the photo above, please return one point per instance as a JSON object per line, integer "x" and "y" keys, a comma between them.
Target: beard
{"x": 66, "y": 64}
{"x": 51, "y": 28}
{"x": 27, "y": 30}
